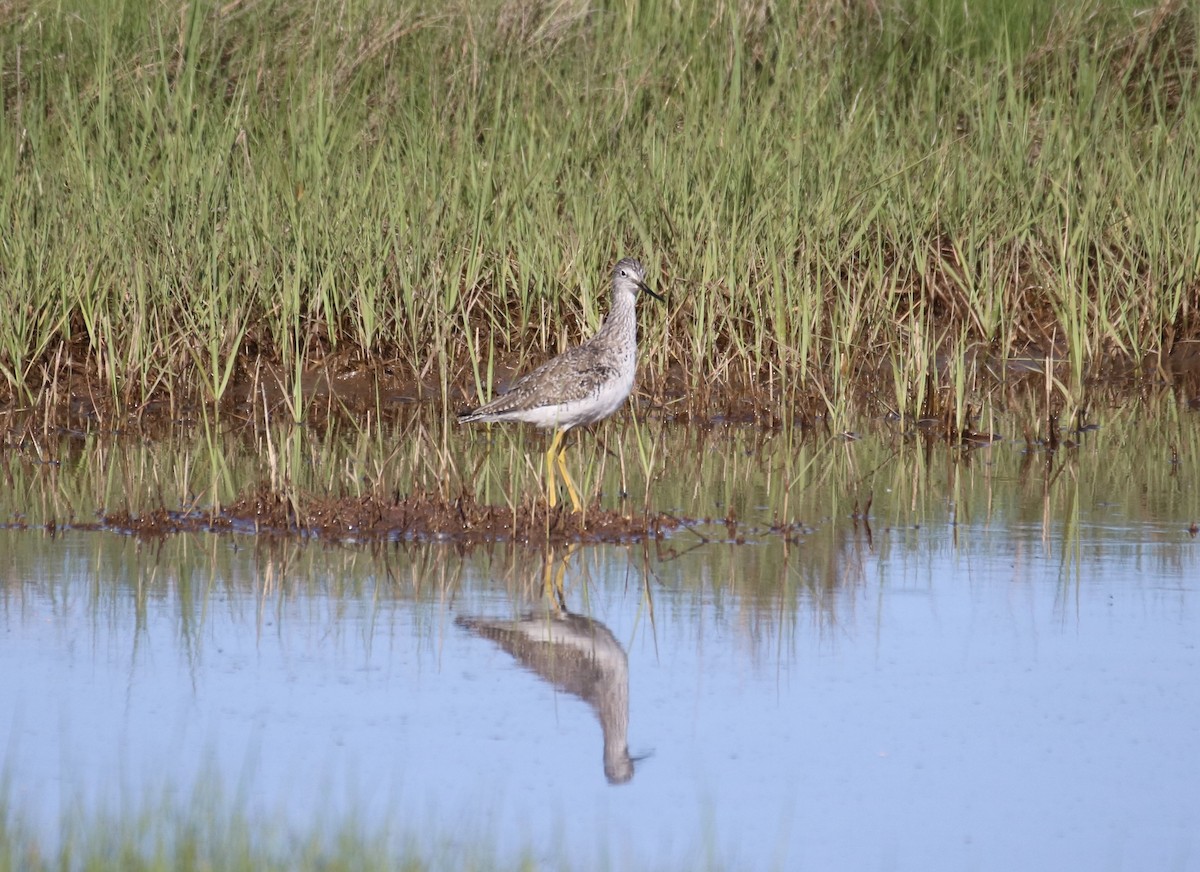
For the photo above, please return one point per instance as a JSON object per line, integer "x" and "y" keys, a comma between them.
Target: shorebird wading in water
{"x": 582, "y": 385}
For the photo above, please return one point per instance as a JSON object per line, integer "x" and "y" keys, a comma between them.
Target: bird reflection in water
{"x": 576, "y": 654}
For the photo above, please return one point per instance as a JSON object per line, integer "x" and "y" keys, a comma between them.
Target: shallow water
{"x": 998, "y": 671}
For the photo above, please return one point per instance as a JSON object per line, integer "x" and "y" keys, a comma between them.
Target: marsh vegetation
{"x": 223, "y": 205}
{"x": 255, "y": 255}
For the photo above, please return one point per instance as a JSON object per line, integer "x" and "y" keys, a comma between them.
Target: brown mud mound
{"x": 415, "y": 516}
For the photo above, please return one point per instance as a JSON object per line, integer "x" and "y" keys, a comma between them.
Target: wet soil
{"x": 412, "y": 517}
{"x": 346, "y": 388}
{"x": 419, "y": 517}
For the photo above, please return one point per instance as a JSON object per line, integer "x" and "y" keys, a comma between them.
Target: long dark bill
{"x": 645, "y": 289}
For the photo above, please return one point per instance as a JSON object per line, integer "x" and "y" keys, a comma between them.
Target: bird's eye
{"x": 624, "y": 274}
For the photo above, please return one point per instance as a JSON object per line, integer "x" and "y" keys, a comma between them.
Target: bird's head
{"x": 629, "y": 277}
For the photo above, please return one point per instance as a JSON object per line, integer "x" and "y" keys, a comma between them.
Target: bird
{"x": 583, "y": 385}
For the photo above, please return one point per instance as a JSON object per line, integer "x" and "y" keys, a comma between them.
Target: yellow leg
{"x": 576, "y": 505}
{"x": 551, "y": 489}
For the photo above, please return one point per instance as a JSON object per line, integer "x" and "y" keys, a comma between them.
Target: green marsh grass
{"x": 210, "y": 829}
{"x": 192, "y": 190}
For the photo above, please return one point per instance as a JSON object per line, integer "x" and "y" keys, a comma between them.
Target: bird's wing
{"x": 576, "y": 373}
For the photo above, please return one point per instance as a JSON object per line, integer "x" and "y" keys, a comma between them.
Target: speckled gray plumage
{"x": 586, "y": 383}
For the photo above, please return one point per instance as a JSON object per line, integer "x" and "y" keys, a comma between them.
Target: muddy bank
{"x": 419, "y": 517}
{"x": 413, "y": 517}
{"x": 346, "y": 390}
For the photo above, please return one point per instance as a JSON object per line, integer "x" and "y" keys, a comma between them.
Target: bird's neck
{"x": 621, "y": 318}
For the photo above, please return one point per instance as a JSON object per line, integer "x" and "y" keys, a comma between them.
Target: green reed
{"x": 194, "y": 189}
{"x": 210, "y": 828}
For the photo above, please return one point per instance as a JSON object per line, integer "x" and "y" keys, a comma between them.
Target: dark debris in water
{"x": 414, "y": 516}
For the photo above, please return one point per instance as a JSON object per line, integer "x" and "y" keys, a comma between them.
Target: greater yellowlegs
{"x": 582, "y": 385}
